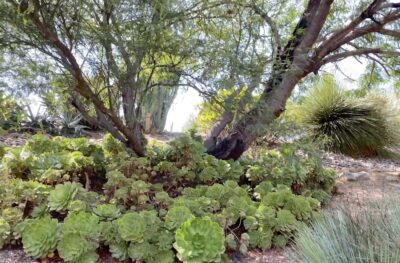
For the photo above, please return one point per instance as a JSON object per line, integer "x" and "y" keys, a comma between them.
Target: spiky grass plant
{"x": 367, "y": 237}
{"x": 353, "y": 126}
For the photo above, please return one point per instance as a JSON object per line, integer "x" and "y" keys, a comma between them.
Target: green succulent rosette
{"x": 199, "y": 240}
{"x": 62, "y": 195}
{"x": 40, "y": 237}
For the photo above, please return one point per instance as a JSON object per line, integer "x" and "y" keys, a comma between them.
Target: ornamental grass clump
{"x": 363, "y": 236}
{"x": 353, "y": 126}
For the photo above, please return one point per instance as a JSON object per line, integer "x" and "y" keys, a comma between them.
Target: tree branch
{"x": 271, "y": 24}
{"x": 358, "y": 52}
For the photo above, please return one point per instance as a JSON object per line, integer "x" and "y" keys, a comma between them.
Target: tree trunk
{"x": 290, "y": 66}
{"x": 212, "y": 136}
{"x": 266, "y": 110}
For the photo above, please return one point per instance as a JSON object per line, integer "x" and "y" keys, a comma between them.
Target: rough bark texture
{"x": 290, "y": 66}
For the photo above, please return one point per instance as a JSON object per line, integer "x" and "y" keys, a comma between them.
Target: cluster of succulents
{"x": 293, "y": 165}
{"x": 176, "y": 203}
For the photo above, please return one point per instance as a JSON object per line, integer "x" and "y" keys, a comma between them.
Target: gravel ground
{"x": 14, "y": 256}
{"x": 342, "y": 163}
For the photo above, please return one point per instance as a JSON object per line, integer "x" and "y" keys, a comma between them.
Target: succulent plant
{"x": 280, "y": 241}
{"x": 199, "y": 240}
{"x": 76, "y": 206}
{"x": 4, "y": 231}
{"x": 107, "y": 211}
{"x": 62, "y": 195}
{"x": 88, "y": 257}
{"x": 176, "y": 216}
{"x": 163, "y": 257}
{"x": 286, "y": 221}
{"x": 83, "y": 224}
{"x": 141, "y": 251}
{"x": 261, "y": 238}
{"x": 39, "y": 236}
{"x": 119, "y": 250}
{"x": 132, "y": 227}
{"x": 74, "y": 247}
{"x": 230, "y": 241}
{"x": 80, "y": 237}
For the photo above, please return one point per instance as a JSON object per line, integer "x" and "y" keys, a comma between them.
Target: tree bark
{"x": 290, "y": 66}
{"x": 212, "y": 136}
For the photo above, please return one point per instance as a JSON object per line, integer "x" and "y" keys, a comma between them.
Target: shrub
{"x": 353, "y": 126}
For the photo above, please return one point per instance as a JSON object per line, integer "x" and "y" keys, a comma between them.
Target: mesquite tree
{"x": 248, "y": 46}
{"x": 113, "y": 60}
{"x": 327, "y": 31}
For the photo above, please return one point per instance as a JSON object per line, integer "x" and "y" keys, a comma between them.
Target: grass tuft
{"x": 371, "y": 236}
{"x": 354, "y": 126}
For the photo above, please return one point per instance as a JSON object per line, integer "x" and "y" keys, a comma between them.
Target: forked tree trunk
{"x": 292, "y": 63}
{"x": 252, "y": 125}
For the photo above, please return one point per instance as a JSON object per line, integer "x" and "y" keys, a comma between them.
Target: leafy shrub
{"x": 136, "y": 206}
{"x": 353, "y": 126}
{"x": 199, "y": 240}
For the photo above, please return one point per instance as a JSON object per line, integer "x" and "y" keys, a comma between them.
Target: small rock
{"x": 359, "y": 176}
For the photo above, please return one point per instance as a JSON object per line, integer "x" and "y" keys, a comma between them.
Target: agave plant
{"x": 70, "y": 124}
{"x": 199, "y": 240}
